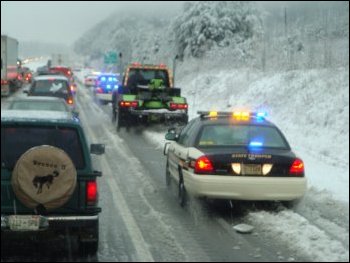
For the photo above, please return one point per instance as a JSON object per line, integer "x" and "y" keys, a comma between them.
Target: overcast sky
{"x": 64, "y": 21}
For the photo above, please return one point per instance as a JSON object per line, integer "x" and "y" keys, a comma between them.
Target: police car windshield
{"x": 241, "y": 135}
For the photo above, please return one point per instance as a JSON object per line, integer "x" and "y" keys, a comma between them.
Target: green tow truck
{"x": 147, "y": 95}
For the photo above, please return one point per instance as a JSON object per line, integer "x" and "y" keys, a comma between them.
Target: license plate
{"x": 24, "y": 223}
{"x": 251, "y": 169}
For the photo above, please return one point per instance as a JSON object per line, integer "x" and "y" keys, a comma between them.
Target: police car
{"x": 233, "y": 155}
{"x": 106, "y": 83}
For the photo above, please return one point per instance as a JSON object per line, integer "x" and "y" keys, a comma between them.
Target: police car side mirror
{"x": 172, "y": 130}
{"x": 171, "y": 136}
{"x": 97, "y": 149}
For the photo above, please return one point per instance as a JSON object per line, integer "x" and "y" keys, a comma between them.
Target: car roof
{"x": 46, "y": 77}
{"x": 37, "y": 116}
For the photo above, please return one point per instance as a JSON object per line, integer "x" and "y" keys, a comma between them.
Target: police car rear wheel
{"x": 182, "y": 194}
{"x": 167, "y": 176}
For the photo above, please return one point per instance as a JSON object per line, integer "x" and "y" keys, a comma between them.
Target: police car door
{"x": 181, "y": 149}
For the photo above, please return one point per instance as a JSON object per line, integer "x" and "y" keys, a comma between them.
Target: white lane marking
{"x": 143, "y": 253}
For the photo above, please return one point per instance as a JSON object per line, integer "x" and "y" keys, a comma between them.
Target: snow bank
{"x": 303, "y": 237}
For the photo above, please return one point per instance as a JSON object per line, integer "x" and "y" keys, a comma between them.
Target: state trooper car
{"x": 233, "y": 155}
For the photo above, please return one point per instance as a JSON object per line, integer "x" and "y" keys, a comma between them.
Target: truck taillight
{"x": 297, "y": 168}
{"x": 99, "y": 90}
{"x": 128, "y": 104}
{"x": 203, "y": 165}
{"x": 4, "y": 82}
{"x": 70, "y": 101}
{"x": 91, "y": 192}
{"x": 178, "y": 106}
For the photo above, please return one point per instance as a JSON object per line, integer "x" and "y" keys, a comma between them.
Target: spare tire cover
{"x": 44, "y": 175}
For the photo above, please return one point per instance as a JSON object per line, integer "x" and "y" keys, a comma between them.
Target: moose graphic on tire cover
{"x": 40, "y": 181}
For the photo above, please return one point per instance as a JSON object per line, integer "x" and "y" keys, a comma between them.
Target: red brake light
{"x": 173, "y": 106}
{"x": 203, "y": 165}
{"x": 91, "y": 192}
{"x": 178, "y": 106}
{"x": 128, "y": 104}
{"x": 70, "y": 101}
{"x": 297, "y": 167}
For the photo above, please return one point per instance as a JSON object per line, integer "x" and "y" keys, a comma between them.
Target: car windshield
{"x": 50, "y": 86}
{"x": 241, "y": 135}
{"x": 39, "y": 105}
{"x": 149, "y": 74}
{"x": 17, "y": 140}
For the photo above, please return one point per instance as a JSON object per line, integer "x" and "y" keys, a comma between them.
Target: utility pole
{"x": 174, "y": 68}
{"x": 285, "y": 22}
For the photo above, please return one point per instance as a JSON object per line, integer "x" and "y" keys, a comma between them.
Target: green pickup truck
{"x": 48, "y": 184}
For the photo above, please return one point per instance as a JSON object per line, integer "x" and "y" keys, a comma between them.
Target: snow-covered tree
{"x": 205, "y": 24}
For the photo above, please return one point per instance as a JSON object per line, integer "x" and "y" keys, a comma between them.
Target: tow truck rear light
{"x": 178, "y": 106}
{"x": 91, "y": 192}
{"x": 203, "y": 165}
{"x": 70, "y": 101}
{"x": 4, "y": 82}
{"x": 128, "y": 104}
{"x": 99, "y": 90}
{"x": 297, "y": 167}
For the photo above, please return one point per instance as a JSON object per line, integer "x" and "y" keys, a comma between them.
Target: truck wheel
{"x": 119, "y": 120}
{"x": 114, "y": 115}
{"x": 167, "y": 175}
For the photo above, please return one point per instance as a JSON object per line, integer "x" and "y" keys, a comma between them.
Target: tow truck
{"x": 147, "y": 95}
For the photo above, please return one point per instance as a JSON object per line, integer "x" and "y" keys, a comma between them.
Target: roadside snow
{"x": 303, "y": 237}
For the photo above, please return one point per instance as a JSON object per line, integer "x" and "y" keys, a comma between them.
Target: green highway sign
{"x": 110, "y": 57}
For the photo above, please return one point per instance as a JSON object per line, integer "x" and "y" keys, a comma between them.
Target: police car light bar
{"x": 236, "y": 114}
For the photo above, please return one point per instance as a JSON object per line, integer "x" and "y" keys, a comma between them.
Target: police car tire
{"x": 182, "y": 194}
{"x": 167, "y": 176}
{"x": 44, "y": 176}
